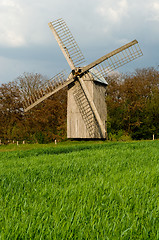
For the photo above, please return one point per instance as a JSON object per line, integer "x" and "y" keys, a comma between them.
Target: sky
{"x": 99, "y": 26}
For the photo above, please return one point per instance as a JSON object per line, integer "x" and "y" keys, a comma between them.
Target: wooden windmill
{"x": 86, "y": 107}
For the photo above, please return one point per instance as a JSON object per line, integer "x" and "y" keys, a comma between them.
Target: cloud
{"x": 12, "y": 38}
{"x": 99, "y": 26}
{"x": 113, "y": 11}
{"x": 22, "y": 22}
{"x": 10, "y": 24}
{"x": 154, "y": 11}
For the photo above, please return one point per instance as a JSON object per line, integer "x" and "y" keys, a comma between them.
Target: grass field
{"x": 80, "y": 191}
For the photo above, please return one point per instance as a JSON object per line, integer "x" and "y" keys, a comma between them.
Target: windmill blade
{"x": 115, "y": 59}
{"x": 67, "y": 43}
{"x": 54, "y": 85}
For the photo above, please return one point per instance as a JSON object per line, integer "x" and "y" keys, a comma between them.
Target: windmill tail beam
{"x": 121, "y": 60}
{"x": 100, "y": 123}
{"x": 48, "y": 95}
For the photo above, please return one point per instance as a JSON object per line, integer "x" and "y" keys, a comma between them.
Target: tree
{"x": 41, "y": 124}
{"x": 11, "y": 109}
{"x": 28, "y": 83}
{"x": 131, "y": 103}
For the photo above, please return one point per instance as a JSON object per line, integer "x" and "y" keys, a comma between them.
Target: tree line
{"x": 43, "y": 123}
{"x": 132, "y": 104}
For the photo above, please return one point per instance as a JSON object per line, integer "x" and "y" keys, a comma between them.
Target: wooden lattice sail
{"x": 86, "y": 108}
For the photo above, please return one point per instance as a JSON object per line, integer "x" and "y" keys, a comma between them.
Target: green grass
{"x": 80, "y": 191}
{"x": 21, "y": 147}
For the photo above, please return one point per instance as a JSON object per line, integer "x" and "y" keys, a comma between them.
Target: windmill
{"x": 86, "y": 106}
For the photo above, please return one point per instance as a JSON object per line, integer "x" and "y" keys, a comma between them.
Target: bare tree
{"x": 28, "y": 83}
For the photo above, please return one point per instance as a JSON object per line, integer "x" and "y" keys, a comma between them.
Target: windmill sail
{"x": 115, "y": 59}
{"x": 55, "y": 84}
{"x": 67, "y": 43}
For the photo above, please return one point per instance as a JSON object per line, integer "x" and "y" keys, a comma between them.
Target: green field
{"x": 80, "y": 191}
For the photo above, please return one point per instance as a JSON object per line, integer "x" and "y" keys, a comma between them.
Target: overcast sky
{"x": 99, "y": 26}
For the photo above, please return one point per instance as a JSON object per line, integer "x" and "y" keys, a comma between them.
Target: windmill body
{"x": 86, "y": 106}
{"x": 81, "y": 121}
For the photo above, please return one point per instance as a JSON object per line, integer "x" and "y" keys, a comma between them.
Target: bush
{"x": 39, "y": 137}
